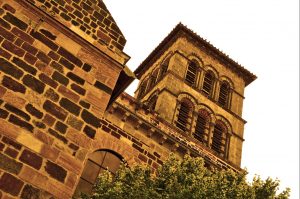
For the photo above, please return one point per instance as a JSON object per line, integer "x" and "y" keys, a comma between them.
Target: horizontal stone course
{"x": 13, "y": 85}
{"x": 55, "y": 110}
{"x": 20, "y": 63}
{"x": 33, "y": 83}
{"x": 10, "y": 69}
{"x": 34, "y": 111}
{"x": 21, "y": 123}
{"x": 70, "y": 106}
{"x": 15, "y": 21}
{"x": 13, "y": 48}
{"x": 17, "y": 111}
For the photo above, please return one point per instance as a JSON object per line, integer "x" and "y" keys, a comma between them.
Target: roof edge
{"x": 222, "y": 57}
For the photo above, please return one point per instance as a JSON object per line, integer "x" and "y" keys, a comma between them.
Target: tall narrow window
{"x": 208, "y": 83}
{"x": 191, "y": 74}
{"x": 163, "y": 69}
{"x": 153, "y": 78}
{"x": 224, "y": 94}
{"x": 97, "y": 163}
{"x": 152, "y": 102}
{"x": 200, "y": 128}
{"x": 183, "y": 116}
{"x": 142, "y": 89}
{"x": 217, "y": 139}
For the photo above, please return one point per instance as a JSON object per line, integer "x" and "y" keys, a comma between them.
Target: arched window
{"x": 191, "y": 73}
{"x": 142, "y": 89}
{"x": 152, "y": 102}
{"x": 153, "y": 79}
{"x": 183, "y": 115}
{"x": 163, "y": 69}
{"x": 201, "y": 123}
{"x": 218, "y": 139}
{"x": 208, "y": 83}
{"x": 224, "y": 94}
{"x": 97, "y": 163}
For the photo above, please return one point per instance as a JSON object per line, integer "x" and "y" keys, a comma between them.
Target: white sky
{"x": 261, "y": 35}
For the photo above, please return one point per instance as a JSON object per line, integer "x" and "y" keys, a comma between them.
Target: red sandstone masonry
{"x": 90, "y": 17}
{"x": 48, "y": 115}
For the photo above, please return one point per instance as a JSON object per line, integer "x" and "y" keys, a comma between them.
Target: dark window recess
{"x": 191, "y": 74}
{"x": 183, "y": 116}
{"x": 208, "y": 83}
{"x": 152, "y": 102}
{"x": 163, "y": 70}
{"x": 142, "y": 89}
{"x": 217, "y": 139}
{"x": 224, "y": 94}
{"x": 153, "y": 79}
{"x": 200, "y": 128}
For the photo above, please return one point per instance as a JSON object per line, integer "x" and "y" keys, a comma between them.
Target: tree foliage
{"x": 187, "y": 178}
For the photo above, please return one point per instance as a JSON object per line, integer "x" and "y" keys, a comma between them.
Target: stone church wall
{"x": 55, "y": 84}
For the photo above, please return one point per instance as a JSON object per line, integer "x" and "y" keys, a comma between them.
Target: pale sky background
{"x": 261, "y": 35}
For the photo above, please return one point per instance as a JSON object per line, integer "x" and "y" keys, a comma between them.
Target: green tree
{"x": 187, "y": 178}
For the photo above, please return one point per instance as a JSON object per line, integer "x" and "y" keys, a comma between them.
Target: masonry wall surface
{"x": 57, "y": 72}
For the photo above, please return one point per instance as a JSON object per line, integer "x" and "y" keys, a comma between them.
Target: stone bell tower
{"x": 197, "y": 89}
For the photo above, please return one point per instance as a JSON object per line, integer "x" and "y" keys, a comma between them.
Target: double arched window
{"x": 184, "y": 113}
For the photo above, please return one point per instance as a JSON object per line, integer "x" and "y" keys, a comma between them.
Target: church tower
{"x": 197, "y": 89}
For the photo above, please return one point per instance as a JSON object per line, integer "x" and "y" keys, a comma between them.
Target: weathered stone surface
{"x": 17, "y": 111}
{"x": 29, "y": 192}
{"x": 55, "y": 171}
{"x": 70, "y": 106}
{"x": 15, "y": 21}
{"x": 55, "y": 110}
{"x": 60, "y": 78}
{"x": 34, "y": 111}
{"x": 21, "y": 123}
{"x": 10, "y": 184}
{"x": 61, "y": 127}
{"x": 13, "y": 85}
{"x": 52, "y": 95}
{"x": 90, "y": 132}
{"x": 9, "y": 164}
{"x": 10, "y": 69}
{"x": 34, "y": 83}
{"x": 31, "y": 159}
{"x": 74, "y": 122}
{"x": 90, "y": 118}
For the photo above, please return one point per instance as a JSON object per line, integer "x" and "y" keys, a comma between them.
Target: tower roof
{"x": 182, "y": 31}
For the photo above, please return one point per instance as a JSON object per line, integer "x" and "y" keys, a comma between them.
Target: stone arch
{"x": 222, "y": 120}
{"x": 194, "y": 56}
{"x": 185, "y": 95}
{"x": 201, "y": 106}
{"x": 228, "y": 80}
{"x": 167, "y": 58}
{"x": 210, "y": 68}
{"x": 108, "y": 142}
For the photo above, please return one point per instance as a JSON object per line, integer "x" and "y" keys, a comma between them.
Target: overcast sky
{"x": 261, "y": 35}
